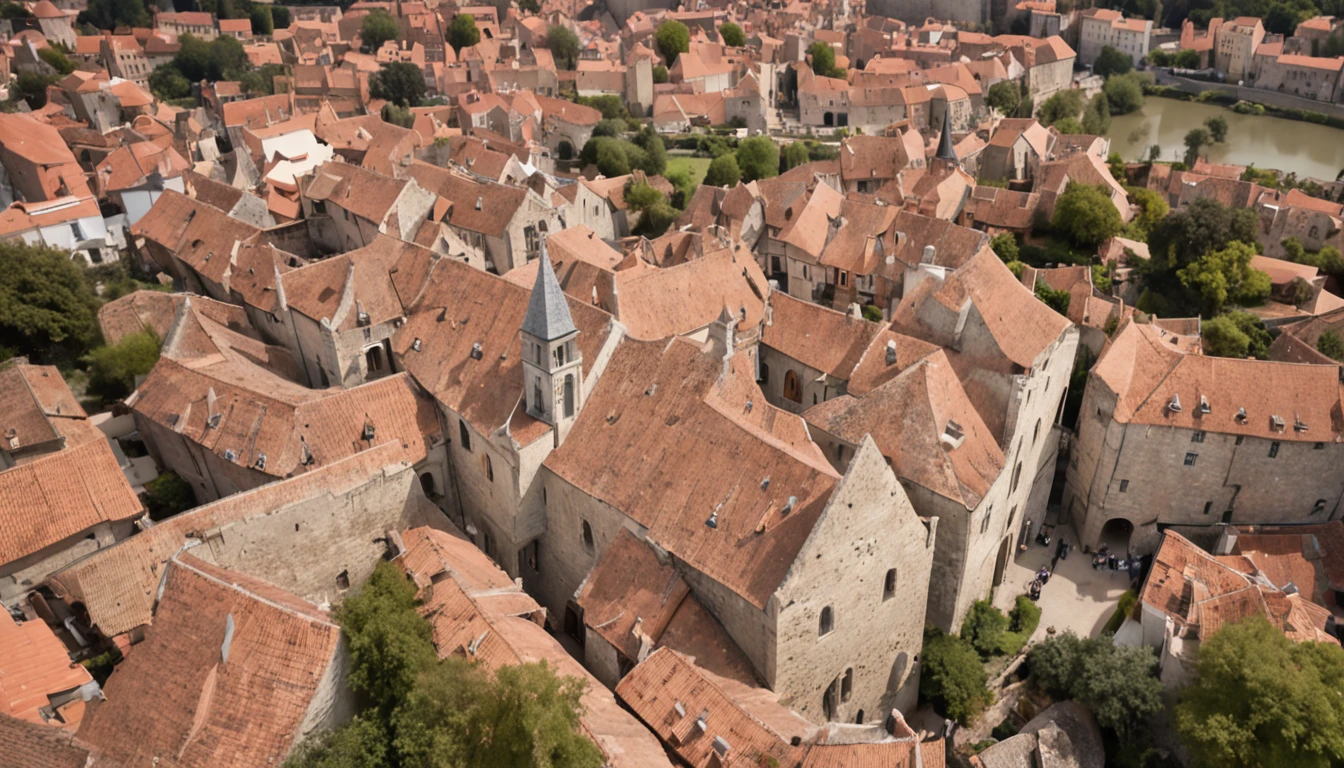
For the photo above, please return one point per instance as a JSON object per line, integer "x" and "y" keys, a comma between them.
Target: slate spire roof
{"x": 945, "y": 147}
{"x": 547, "y": 311}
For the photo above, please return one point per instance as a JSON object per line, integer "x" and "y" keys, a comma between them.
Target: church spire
{"x": 945, "y": 148}
{"x": 548, "y": 315}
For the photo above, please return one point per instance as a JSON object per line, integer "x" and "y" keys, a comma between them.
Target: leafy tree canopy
{"x": 1235, "y": 334}
{"x": 1111, "y": 62}
{"x": 46, "y": 305}
{"x": 462, "y": 33}
{"x": 1124, "y": 93}
{"x": 723, "y": 172}
{"x": 823, "y": 60}
{"x": 795, "y": 155}
{"x": 112, "y": 369}
{"x": 1225, "y": 276}
{"x": 109, "y": 14}
{"x": 1217, "y": 128}
{"x": 953, "y": 678}
{"x": 1119, "y": 684}
{"x": 758, "y": 158}
{"x": 564, "y": 45}
{"x": 732, "y": 35}
{"x": 1258, "y": 699}
{"x": 280, "y": 18}
{"x": 659, "y": 74}
{"x": 220, "y": 59}
{"x": 672, "y": 39}
{"x": 263, "y": 23}
{"x": 378, "y": 28}
{"x": 1005, "y": 96}
{"x": 1097, "y": 116}
{"x": 1063, "y": 104}
{"x": 1005, "y": 247}
{"x": 399, "y": 82}
{"x": 1331, "y": 345}
{"x": 1086, "y": 216}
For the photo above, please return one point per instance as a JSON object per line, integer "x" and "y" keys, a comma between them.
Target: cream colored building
{"x": 1102, "y": 27}
{"x": 1234, "y": 47}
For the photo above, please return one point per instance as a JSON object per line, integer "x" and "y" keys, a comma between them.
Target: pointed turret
{"x": 945, "y": 148}
{"x": 547, "y": 311}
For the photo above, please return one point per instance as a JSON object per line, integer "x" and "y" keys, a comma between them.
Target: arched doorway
{"x": 427, "y": 484}
{"x": 1001, "y": 562}
{"x": 828, "y": 119}
{"x": 1115, "y": 534}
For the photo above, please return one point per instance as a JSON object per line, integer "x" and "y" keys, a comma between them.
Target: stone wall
{"x": 17, "y": 578}
{"x": 1257, "y": 95}
{"x": 917, "y": 11}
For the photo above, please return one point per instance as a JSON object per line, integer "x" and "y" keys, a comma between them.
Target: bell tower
{"x": 552, "y": 363}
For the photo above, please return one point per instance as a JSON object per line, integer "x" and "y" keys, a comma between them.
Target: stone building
{"x": 1234, "y": 44}
{"x": 817, "y": 577}
{"x": 462, "y": 343}
{"x": 1104, "y": 28}
{"x": 355, "y": 206}
{"x": 1167, "y": 436}
{"x": 1016, "y": 150}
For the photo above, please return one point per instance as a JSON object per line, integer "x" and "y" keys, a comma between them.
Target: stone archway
{"x": 1116, "y": 533}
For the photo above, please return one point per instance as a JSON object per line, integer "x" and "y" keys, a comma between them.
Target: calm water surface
{"x": 1267, "y": 142}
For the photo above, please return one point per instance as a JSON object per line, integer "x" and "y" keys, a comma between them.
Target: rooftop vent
{"x": 261, "y": 461}
{"x": 1276, "y": 423}
{"x": 475, "y": 644}
{"x": 702, "y": 722}
{"x": 369, "y": 430}
{"x": 891, "y": 351}
{"x": 713, "y": 521}
{"x": 1204, "y": 404}
{"x": 1241, "y": 415}
{"x": 721, "y": 746}
{"x": 765, "y": 484}
{"x": 1298, "y": 424}
{"x": 953, "y": 436}
{"x": 476, "y": 351}
{"x": 12, "y": 437}
{"x": 748, "y": 406}
{"x": 651, "y": 390}
{"x": 680, "y": 708}
{"x": 1175, "y": 405}
{"x": 213, "y": 421}
{"x": 415, "y": 345}
{"x": 305, "y": 456}
{"x": 789, "y": 505}
{"x": 479, "y": 201}
{"x": 228, "y": 640}
{"x": 930, "y": 253}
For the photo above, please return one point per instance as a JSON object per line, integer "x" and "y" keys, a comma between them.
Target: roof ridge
{"x": 177, "y": 560}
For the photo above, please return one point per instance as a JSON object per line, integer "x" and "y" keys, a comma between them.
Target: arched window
{"x": 791, "y": 389}
{"x": 373, "y": 359}
{"x": 560, "y": 355}
{"x": 858, "y": 719}
{"x": 489, "y": 468}
{"x": 464, "y": 434}
{"x": 538, "y": 401}
{"x": 427, "y": 484}
{"x": 847, "y": 685}
{"x": 569, "y": 395}
{"x": 1036, "y": 433}
{"x": 889, "y": 585}
{"x": 1017, "y": 475}
{"x": 588, "y": 538}
{"x": 827, "y": 623}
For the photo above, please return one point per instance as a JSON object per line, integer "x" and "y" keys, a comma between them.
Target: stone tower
{"x": 552, "y": 363}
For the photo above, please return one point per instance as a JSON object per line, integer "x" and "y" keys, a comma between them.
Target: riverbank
{"x": 1293, "y": 146}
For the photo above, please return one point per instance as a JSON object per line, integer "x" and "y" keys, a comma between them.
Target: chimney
{"x": 929, "y": 255}
{"x": 891, "y": 352}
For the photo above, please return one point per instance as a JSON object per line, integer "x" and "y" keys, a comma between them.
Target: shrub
{"x": 1118, "y": 684}
{"x": 167, "y": 495}
{"x": 1122, "y": 610}
{"x": 1023, "y": 620}
{"x": 953, "y": 679}
{"x": 983, "y": 626}
{"x": 112, "y": 369}
{"x": 872, "y": 312}
{"x": 723, "y": 172}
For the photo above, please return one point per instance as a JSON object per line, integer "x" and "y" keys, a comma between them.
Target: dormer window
{"x": 1175, "y": 405}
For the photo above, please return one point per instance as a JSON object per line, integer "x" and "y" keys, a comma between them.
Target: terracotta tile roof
{"x": 213, "y": 707}
{"x": 118, "y": 584}
{"x": 873, "y": 368}
{"x": 829, "y": 341}
{"x": 462, "y": 306}
{"x": 1298, "y": 199}
{"x": 155, "y": 311}
{"x": 317, "y": 290}
{"x": 35, "y": 404}
{"x": 202, "y": 236}
{"x": 915, "y": 418}
{"x": 628, "y": 588}
{"x": 655, "y": 435}
{"x": 129, "y": 166}
{"x": 1143, "y": 369}
{"x": 259, "y": 112}
{"x": 1011, "y": 129}
{"x": 62, "y": 494}
{"x": 806, "y": 229}
{"x": 27, "y": 745}
{"x": 337, "y": 183}
{"x": 501, "y": 625}
{"x": 1177, "y": 568}
{"x": 1003, "y": 208}
{"x": 1021, "y": 328}
{"x": 34, "y": 667}
{"x": 478, "y": 207}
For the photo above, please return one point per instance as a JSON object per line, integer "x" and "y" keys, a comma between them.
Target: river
{"x": 1306, "y": 149}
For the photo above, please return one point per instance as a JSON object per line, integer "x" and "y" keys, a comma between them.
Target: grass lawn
{"x": 696, "y": 166}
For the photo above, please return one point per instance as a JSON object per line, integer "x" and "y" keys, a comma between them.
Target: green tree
{"x": 1116, "y": 165}
{"x": 1331, "y": 345}
{"x": 1203, "y": 226}
{"x": 1111, "y": 62}
{"x": 110, "y": 14}
{"x": 611, "y": 107}
{"x": 167, "y": 495}
{"x": 1235, "y": 334}
{"x": 655, "y": 214}
{"x": 1005, "y": 247}
{"x": 47, "y": 308}
{"x": 167, "y": 83}
{"x": 1225, "y": 276}
{"x": 611, "y": 161}
{"x": 953, "y": 678}
{"x": 1057, "y": 300}
{"x": 361, "y": 743}
{"x": 1069, "y": 125}
{"x": 1097, "y": 116}
{"x": 1124, "y": 94}
{"x": 659, "y": 74}
{"x": 1258, "y": 699}
{"x": 263, "y": 23}
{"x": 56, "y": 60}
{"x": 400, "y": 83}
{"x": 672, "y": 39}
{"x": 220, "y": 59}
{"x": 648, "y": 140}
{"x": 1217, "y": 129}
{"x": 983, "y": 626}
{"x": 378, "y": 28}
{"x": 524, "y": 715}
{"x": 1005, "y": 96}
{"x": 732, "y": 35}
{"x": 723, "y": 172}
{"x": 1195, "y": 140}
{"x": 823, "y": 60}
{"x": 564, "y": 45}
{"x": 795, "y": 155}
{"x": 1067, "y": 103}
{"x": 1086, "y": 216}
{"x": 280, "y": 18}
{"x": 112, "y": 369}
{"x": 1119, "y": 684}
{"x": 529, "y": 6}
{"x": 1152, "y": 208}
{"x": 462, "y": 33}
{"x": 261, "y": 81}
{"x": 758, "y": 158}
{"x": 389, "y": 642}
{"x": 1283, "y": 18}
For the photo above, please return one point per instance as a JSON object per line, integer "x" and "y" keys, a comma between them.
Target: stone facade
{"x": 1102, "y": 28}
